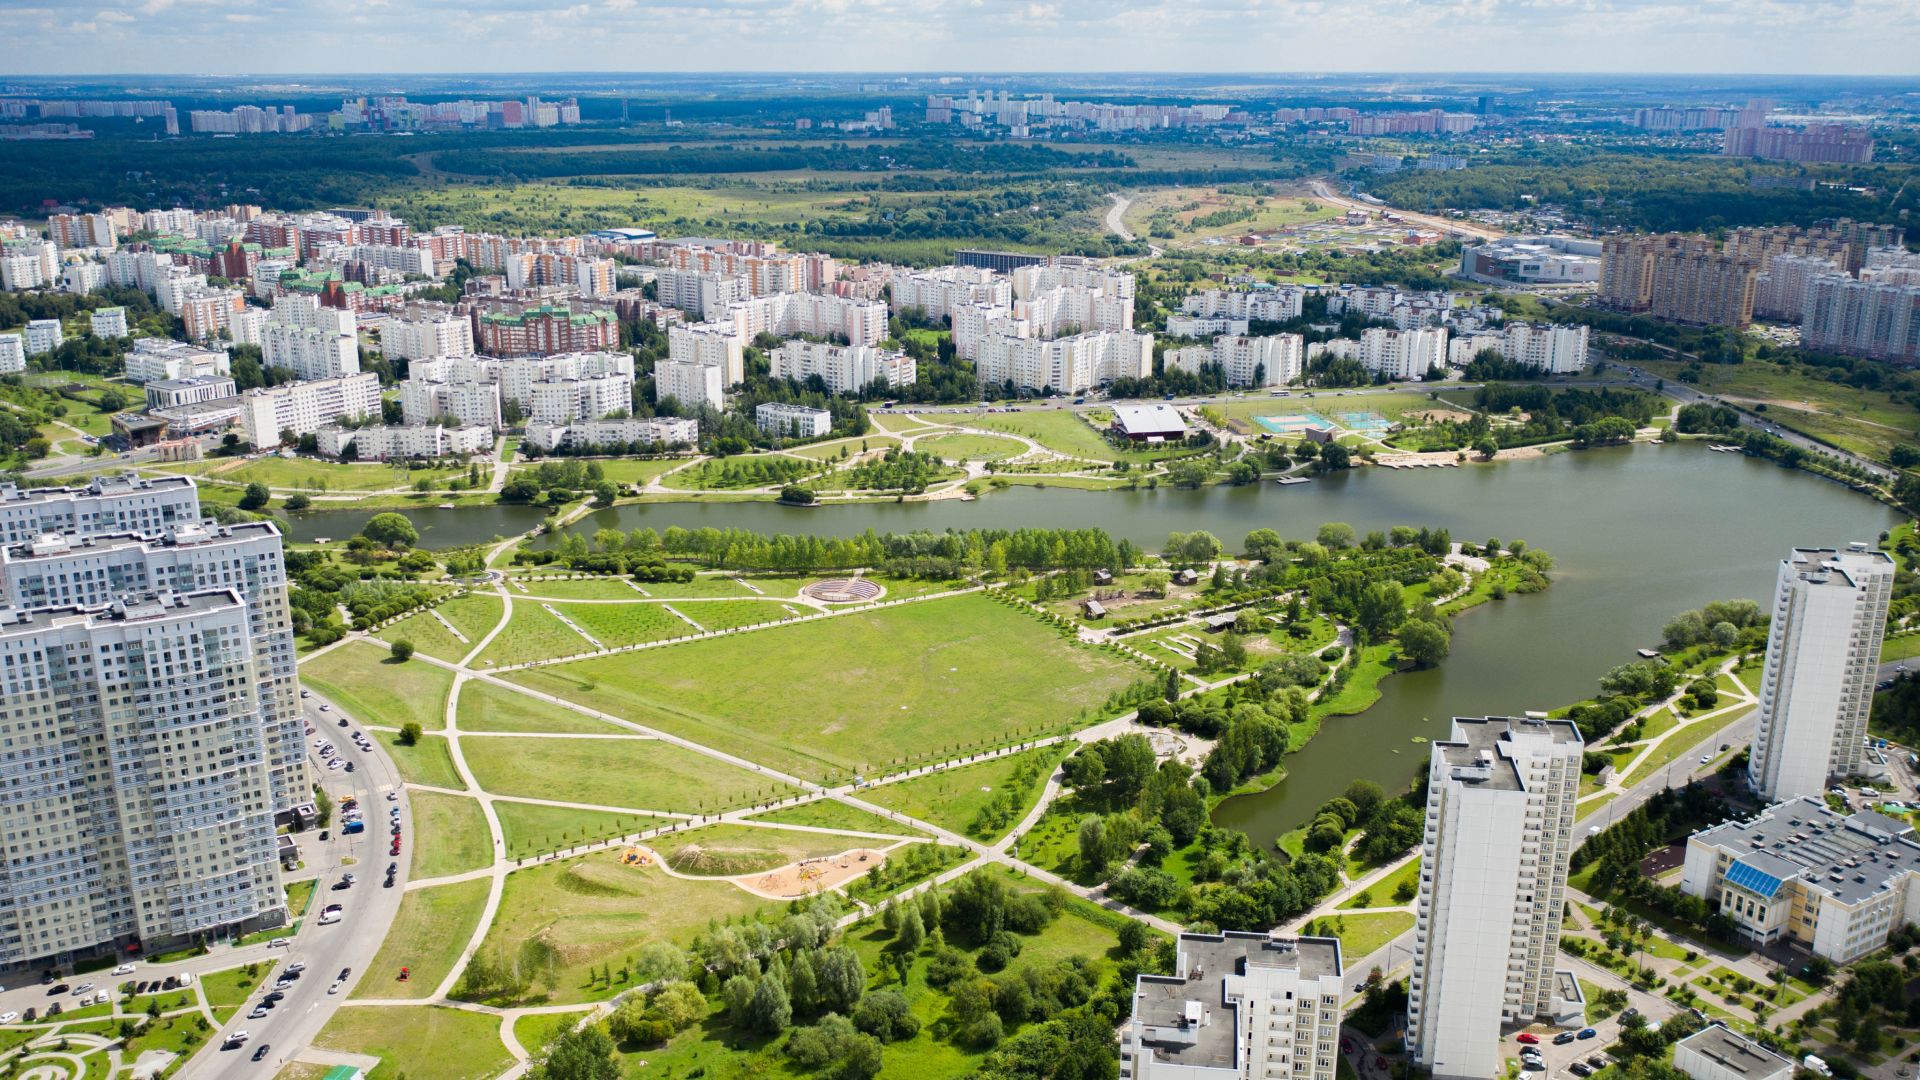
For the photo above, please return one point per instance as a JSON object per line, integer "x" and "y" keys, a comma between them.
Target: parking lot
{"x": 1559, "y": 1059}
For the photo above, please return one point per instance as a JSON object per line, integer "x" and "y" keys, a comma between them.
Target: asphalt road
{"x": 369, "y": 910}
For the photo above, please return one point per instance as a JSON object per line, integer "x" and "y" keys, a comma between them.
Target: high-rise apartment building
{"x": 1244, "y": 361}
{"x": 1238, "y": 1006}
{"x": 426, "y": 331}
{"x": 1876, "y": 318}
{"x": 108, "y": 504}
{"x": 1493, "y": 876}
{"x": 310, "y": 340}
{"x": 690, "y": 383}
{"x": 1403, "y": 354}
{"x": 1823, "y": 650}
{"x": 138, "y": 803}
{"x": 845, "y": 369}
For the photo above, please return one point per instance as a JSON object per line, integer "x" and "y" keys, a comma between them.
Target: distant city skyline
{"x": 214, "y": 37}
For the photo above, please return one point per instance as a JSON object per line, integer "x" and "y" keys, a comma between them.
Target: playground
{"x": 810, "y": 876}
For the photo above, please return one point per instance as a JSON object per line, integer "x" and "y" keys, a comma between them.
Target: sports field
{"x": 856, "y": 692}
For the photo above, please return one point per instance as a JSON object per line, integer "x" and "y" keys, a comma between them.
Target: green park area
{"x": 617, "y": 771}
{"x": 834, "y": 814}
{"x": 449, "y": 835}
{"x": 419, "y": 1042}
{"x": 1864, "y": 421}
{"x": 428, "y": 936}
{"x": 983, "y": 800}
{"x": 308, "y": 474}
{"x": 536, "y": 828}
{"x": 485, "y": 707}
{"x": 371, "y": 686}
{"x": 474, "y": 616}
{"x": 862, "y": 692}
{"x": 726, "y": 850}
{"x": 970, "y": 447}
{"x": 1362, "y": 934}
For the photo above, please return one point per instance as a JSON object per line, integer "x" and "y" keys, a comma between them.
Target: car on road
{"x": 296, "y": 968}
{"x": 1527, "y": 1037}
{"x": 275, "y": 997}
{"x": 1706, "y": 759}
{"x": 278, "y": 943}
{"x": 9, "y": 1017}
{"x": 344, "y": 972}
{"x": 306, "y": 693}
{"x": 1563, "y": 1038}
{"x": 123, "y": 969}
{"x": 1587, "y": 1033}
{"x": 336, "y": 763}
{"x": 335, "y": 988}
{"x": 259, "y": 1013}
{"x": 324, "y": 707}
{"x": 237, "y": 1038}
{"x": 261, "y": 1051}
{"x": 57, "y": 990}
{"x": 393, "y": 796}
{"x": 330, "y": 915}
{"x": 83, "y": 990}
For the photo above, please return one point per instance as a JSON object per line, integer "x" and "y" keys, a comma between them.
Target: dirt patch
{"x": 810, "y": 876}
{"x": 1440, "y": 416}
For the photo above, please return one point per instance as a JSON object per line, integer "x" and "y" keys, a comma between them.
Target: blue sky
{"x": 282, "y": 36}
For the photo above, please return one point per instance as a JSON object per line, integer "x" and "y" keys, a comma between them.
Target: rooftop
{"x": 1849, "y": 857}
{"x": 1188, "y": 1020}
{"x": 1148, "y": 419}
{"x": 1735, "y": 1052}
{"x": 132, "y": 609}
{"x": 1821, "y": 566}
{"x": 1474, "y": 751}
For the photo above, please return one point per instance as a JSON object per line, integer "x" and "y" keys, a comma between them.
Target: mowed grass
{"x": 532, "y": 634}
{"x": 718, "y": 586}
{"x": 833, "y": 814}
{"x": 374, "y": 688}
{"x": 307, "y": 474}
{"x": 592, "y": 909}
{"x": 970, "y": 447}
{"x": 1055, "y": 429}
{"x": 628, "y": 470}
{"x": 1362, "y": 935}
{"x": 581, "y": 589}
{"x": 428, "y": 763}
{"x": 476, "y": 614}
{"x": 486, "y": 707}
{"x": 449, "y": 835}
{"x": 614, "y": 625}
{"x": 534, "y": 829}
{"x": 645, "y": 774}
{"x": 428, "y": 635}
{"x": 732, "y": 614}
{"x": 953, "y": 798}
{"x": 420, "y": 1042}
{"x": 855, "y": 692}
{"x": 1864, "y": 421}
{"x": 727, "y": 849}
{"x": 428, "y": 935}
{"x": 853, "y": 447}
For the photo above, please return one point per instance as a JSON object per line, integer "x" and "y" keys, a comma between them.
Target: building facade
{"x": 1823, "y": 653}
{"x": 792, "y": 421}
{"x": 303, "y": 408}
{"x": 1238, "y": 1006}
{"x": 386, "y": 442}
{"x": 845, "y": 369}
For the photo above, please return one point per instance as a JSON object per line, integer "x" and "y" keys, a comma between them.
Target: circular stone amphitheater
{"x": 844, "y": 591}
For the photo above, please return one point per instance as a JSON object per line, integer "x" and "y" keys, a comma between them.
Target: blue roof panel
{"x": 1752, "y": 880}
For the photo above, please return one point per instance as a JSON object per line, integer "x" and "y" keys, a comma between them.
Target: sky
{"x": 1860, "y": 37}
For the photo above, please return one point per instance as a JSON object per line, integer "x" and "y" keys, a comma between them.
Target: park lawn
{"x": 485, "y": 706}
{"x": 535, "y": 828}
{"x": 833, "y": 814}
{"x": 428, "y": 936}
{"x": 476, "y": 614}
{"x": 718, "y": 586}
{"x": 902, "y": 423}
{"x": 970, "y": 447}
{"x": 1901, "y": 647}
{"x": 1362, "y": 935}
{"x": 535, "y": 1030}
{"x": 428, "y": 635}
{"x": 427, "y": 763}
{"x": 311, "y": 475}
{"x": 626, "y": 470}
{"x": 449, "y": 835}
{"x": 1683, "y": 742}
{"x": 1059, "y": 430}
{"x": 231, "y": 987}
{"x": 1861, "y": 420}
{"x": 174, "y": 1034}
{"x": 869, "y": 689}
{"x": 713, "y": 474}
{"x": 829, "y": 450}
{"x": 614, "y": 625}
{"x": 592, "y": 909}
{"x": 420, "y": 1043}
{"x": 375, "y": 688}
{"x": 645, "y": 774}
{"x": 299, "y": 894}
{"x": 1383, "y": 890}
{"x": 1658, "y": 724}
{"x": 727, "y": 849}
{"x": 532, "y": 634}
{"x": 733, "y": 614}
{"x": 954, "y": 798}
{"x": 611, "y": 588}
{"x": 1375, "y": 662}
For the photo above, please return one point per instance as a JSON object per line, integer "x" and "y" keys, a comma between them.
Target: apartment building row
{"x": 1757, "y": 270}
{"x": 1258, "y": 362}
{"x": 1278, "y": 304}
{"x": 541, "y": 389}
{"x": 613, "y": 435}
{"x": 1555, "y": 349}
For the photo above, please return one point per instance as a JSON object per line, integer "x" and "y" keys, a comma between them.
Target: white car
{"x": 239, "y": 1037}
{"x": 279, "y": 943}
{"x": 336, "y": 763}
{"x": 325, "y": 707}
{"x": 337, "y": 984}
{"x": 9, "y": 1017}
{"x": 83, "y": 990}
{"x": 330, "y": 915}
{"x": 123, "y": 969}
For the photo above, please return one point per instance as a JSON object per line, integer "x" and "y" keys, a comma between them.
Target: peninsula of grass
{"x": 449, "y": 835}
{"x": 427, "y": 937}
{"x": 858, "y": 693}
{"x": 592, "y": 910}
{"x": 485, "y": 706}
{"x": 853, "y": 447}
{"x": 531, "y": 829}
{"x": 375, "y": 688}
{"x": 422, "y": 1042}
{"x": 954, "y": 799}
{"x": 427, "y": 763}
{"x": 727, "y": 849}
{"x": 833, "y": 814}
{"x": 644, "y": 774}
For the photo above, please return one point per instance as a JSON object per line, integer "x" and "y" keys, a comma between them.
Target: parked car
{"x": 1527, "y": 1037}
{"x": 1563, "y": 1038}
{"x": 123, "y": 969}
{"x": 1587, "y": 1033}
{"x": 8, "y": 1017}
{"x": 1580, "y": 1068}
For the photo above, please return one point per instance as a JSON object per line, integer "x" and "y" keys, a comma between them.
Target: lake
{"x": 1639, "y": 533}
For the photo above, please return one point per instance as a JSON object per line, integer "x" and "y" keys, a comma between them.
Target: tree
{"x": 584, "y": 1054}
{"x": 1425, "y": 643}
{"x": 769, "y": 1011}
{"x": 403, "y": 650}
{"x": 1093, "y": 843}
{"x": 391, "y": 530}
{"x": 256, "y": 497}
{"x": 1264, "y": 545}
{"x": 1134, "y": 936}
{"x": 410, "y": 734}
{"x": 296, "y": 502}
{"x": 1486, "y": 447}
{"x": 886, "y": 1015}
{"x": 1366, "y": 797}
{"x": 1381, "y": 608}
{"x": 1336, "y": 535}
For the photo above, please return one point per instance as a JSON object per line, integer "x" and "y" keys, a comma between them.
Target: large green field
{"x": 534, "y": 829}
{"x": 449, "y": 835}
{"x": 592, "y": 909}
{"x": 858, "y": 692}
{"x": 1056, "y": 429}
{"x": 954, "y": 798}
{"x": 486, "y": 707}
{"x": 419, "y": 1042}
{"x": 725, "y": 850}
{"x": 374, "y": 688}
{"x": 1866, "y": 422}
{"x": 308, "y": 474}
{"x": 970, "y": 447}
{"x": 474, "y": 615}
{"x": 433, "y": 927}
{"x": 532, "y": 634}
{"x": 645, "y": 774}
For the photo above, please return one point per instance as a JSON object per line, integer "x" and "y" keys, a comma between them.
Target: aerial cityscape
{"x": 1175, "y": 543}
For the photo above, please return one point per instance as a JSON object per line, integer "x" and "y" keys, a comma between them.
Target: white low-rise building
{"x": 157, "y": 359}
{"x": 614, "y": 435}
{"x": 1835, "y": 884}
{"x": 1238, "y": 1006}
{"x": 1199, "y": 326}
{"x": 1717, "y": 1052}
{"x": 845, "y": 369}
{"x": 304, "y": 408}
{"x": 386, "y": 442}
{"x": 81, "y": 278}
{"x": 192, "y": 390}
{"x": 792, "y": 421}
